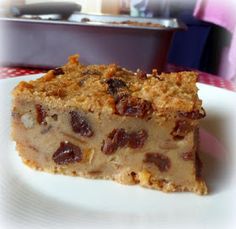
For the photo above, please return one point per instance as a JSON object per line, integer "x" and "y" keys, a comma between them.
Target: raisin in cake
{"x": 103, "y": 121}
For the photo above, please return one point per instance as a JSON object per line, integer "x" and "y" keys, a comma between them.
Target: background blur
{"x": 206, "y": 45}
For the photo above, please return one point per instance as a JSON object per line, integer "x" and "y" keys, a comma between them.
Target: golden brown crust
{"x": 85, "y": 87}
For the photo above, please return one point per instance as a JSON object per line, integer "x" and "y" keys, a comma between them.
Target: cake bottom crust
{"x": 143, "y": 178}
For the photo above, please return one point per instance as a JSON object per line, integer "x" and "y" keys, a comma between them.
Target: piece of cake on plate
{"x": 103, "y": 121}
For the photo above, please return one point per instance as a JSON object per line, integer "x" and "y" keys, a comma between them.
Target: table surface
{"x": 206, "y": 78}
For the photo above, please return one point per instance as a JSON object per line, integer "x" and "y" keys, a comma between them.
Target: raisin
{"x": 67, "y": 153}
{"x": 160, "y": 160}
{"x": 108, "y": 146}
{"x": 187, "y": 156}
{"x": 120, "y": 138}
{"x": 114, "y": 85}
{"x": 117, "y": 138}
{"x": 137, "y": 139}
{"x": 134, "y": 107}
{"x": 182, "y": 127}
{"x": 141, "y": 74}
{"x": 58, "y": 71}
{"x": 80, "y": 124}
{"x": 193, "y": 114}
{"x": 41, "y": 114}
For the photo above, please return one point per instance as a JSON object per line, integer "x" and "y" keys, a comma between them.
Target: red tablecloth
{"x": 8, "y": 72}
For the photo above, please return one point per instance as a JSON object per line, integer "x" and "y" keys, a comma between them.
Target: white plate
{"x": 30, "y": 199}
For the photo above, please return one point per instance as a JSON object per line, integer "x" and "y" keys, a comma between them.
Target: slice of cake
{"x": 102, "y": 121}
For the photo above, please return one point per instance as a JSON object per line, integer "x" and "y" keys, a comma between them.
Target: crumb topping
{"x": 77, "y": 85}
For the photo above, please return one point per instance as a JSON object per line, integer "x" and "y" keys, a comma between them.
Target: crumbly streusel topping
{"x": 97, "y": 88}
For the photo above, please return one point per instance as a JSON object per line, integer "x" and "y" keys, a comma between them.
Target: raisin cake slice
{"x": 103, "y": 121}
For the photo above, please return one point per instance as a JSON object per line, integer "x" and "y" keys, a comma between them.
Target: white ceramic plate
{"x": 30, "y": 199}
